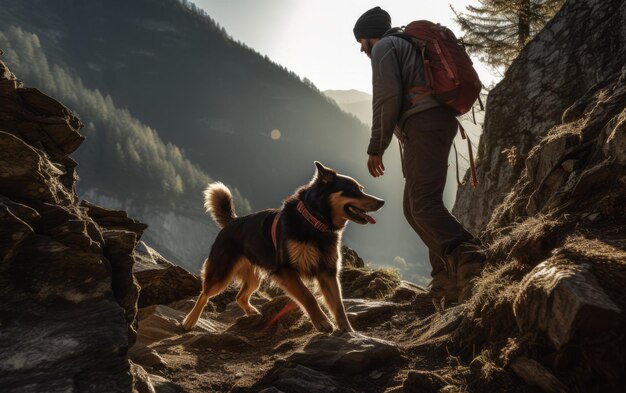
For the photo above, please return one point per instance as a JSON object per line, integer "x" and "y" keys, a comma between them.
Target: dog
{"x": 300, "y": 241}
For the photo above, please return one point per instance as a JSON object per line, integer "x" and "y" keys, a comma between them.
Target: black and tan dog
{"x": 302, "y": 240}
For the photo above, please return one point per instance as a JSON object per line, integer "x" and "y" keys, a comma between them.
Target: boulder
{"x": 535, "y": 374}
{"x": 368, "y": 312}
{"x": 162, "y": 282}
{"x": 350, "y": 258}
{"x": 368, "y": 283}
{"x": 348, "y": 353}
{"x": 563, "y": 300}
{"x": 158, "y": 322}
{"x": 302, "y": 379}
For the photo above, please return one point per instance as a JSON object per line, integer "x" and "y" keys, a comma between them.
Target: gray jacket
{"x": 396, "y": 67}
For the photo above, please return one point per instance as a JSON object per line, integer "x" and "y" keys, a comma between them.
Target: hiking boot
{"x": 465, "y": 263}
{"x": 442, "y": 291}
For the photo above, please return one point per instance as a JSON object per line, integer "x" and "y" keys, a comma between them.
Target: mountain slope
{"x": 178, "y": 74}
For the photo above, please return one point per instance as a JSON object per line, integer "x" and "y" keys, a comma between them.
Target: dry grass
{"x": 529, "y": 241}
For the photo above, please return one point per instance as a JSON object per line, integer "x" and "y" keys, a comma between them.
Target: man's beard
{"x": 368, "y": 48}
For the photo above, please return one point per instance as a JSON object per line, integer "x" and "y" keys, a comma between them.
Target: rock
{"x": 350, "y": 258}
{"x": 368, "y": 283}
{"x": 25, "y": 172}
{"x": 162, "y": 385}
{"x": 301, "y": 379}
{"x": 68, "y": 299}
{"x": 118, "y": 249}
{"x": 437, "y": 326}
{"x": 141, "y": 379}
{"x": 186, "y": 305}
{"x": 569, "y": 165}
{"x": 146, "y": 356}
{"x": 419, "y": 381}
{"x": 366, "y": 312}
{"x": 563, "y": 300}
{"x": 593, "y": 179}
{"x": 406, "y": 292}
{"x": 144, "y": 382}
{"x": 16, "y": 227}
{"x": 616, "y": 140}
{"x": 535, "y": 374}
{"x": 348, "y": 353}
{"x": 216, "y": 341}
{"x": 158, "y": 322}
{"x": 115, "y": 220}
{"x": 162, "y": 282}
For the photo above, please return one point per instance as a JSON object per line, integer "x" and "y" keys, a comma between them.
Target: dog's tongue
{"x": 369, "y": 218}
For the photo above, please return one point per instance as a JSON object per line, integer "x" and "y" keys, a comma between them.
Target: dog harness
{"x": 317, "y": 224}
{"x": 274, "y": 225}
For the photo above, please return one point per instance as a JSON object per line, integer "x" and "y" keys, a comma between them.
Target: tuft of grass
{"x": 529, "y": 241}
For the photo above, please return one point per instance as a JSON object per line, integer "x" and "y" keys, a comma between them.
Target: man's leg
{"x": 429, "y": 137}
{"x": 442, "y": 286}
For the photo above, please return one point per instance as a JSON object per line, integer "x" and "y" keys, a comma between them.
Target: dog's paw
{"x": 187, "y": 324}
{"x": 325, "y": 326}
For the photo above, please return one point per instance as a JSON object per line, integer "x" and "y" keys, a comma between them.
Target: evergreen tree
{"x": 497, "y": 30}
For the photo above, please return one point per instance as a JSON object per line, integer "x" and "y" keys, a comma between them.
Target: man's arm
{"x": 387, "y": 96}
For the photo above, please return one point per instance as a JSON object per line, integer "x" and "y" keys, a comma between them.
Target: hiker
{"x": 426, "y": 129}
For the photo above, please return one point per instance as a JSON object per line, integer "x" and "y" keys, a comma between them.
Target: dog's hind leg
{"x": 216, "y": 276}
{"x": 329, "y": 286}
{"x": 250, "y": 281}
{"x": 290, "y": 281}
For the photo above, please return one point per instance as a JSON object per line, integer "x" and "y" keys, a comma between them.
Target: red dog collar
{"x": 317, "y": 224}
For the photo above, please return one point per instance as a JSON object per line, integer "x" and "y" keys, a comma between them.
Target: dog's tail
{"x": 218, "y": 201}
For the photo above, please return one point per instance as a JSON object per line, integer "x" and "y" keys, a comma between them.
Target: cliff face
{"x": 550, "y": 209}
{"x": 68, "y": 297}
{"x": 581, "y": 48}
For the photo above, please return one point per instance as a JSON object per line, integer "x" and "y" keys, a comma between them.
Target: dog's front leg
{"x": 290, "y": 281}
{"x": 329, "y": 284}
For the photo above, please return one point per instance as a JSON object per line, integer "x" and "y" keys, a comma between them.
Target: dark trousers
{"x": 428, "y": 137}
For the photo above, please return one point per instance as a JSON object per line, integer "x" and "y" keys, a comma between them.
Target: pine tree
{"x": 497, "y": 30}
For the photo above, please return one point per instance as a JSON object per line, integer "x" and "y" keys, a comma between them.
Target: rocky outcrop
{"x": 582, "y": 48}
{"x": 551, "y": 309}
{"x": 68, "y": 295}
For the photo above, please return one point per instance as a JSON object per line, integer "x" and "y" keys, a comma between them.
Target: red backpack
{"x": 450, "y": 76}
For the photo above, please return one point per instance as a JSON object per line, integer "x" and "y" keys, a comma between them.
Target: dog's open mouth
{"x": 358, "y": 215}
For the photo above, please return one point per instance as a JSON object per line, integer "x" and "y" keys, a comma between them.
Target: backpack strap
{"x": 470, "y": 153}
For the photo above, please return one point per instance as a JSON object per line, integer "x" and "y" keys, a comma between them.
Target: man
{"x": 426, "y": 131}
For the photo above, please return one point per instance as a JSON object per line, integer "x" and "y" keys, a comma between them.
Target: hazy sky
{"x": 314, "y": 38}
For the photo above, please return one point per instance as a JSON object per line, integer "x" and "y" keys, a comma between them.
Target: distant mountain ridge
{"x": 355, "y": 102}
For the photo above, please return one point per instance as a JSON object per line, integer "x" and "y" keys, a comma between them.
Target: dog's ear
{"x": 324, "y": 174}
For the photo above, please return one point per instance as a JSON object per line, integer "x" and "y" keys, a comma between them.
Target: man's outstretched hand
{"x": 375, "y": 165}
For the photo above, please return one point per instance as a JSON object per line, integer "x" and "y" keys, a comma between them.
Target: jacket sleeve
{"x": 387, "y": 95}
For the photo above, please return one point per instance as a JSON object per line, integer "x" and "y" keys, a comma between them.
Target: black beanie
{"x": 372, "y": 24}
